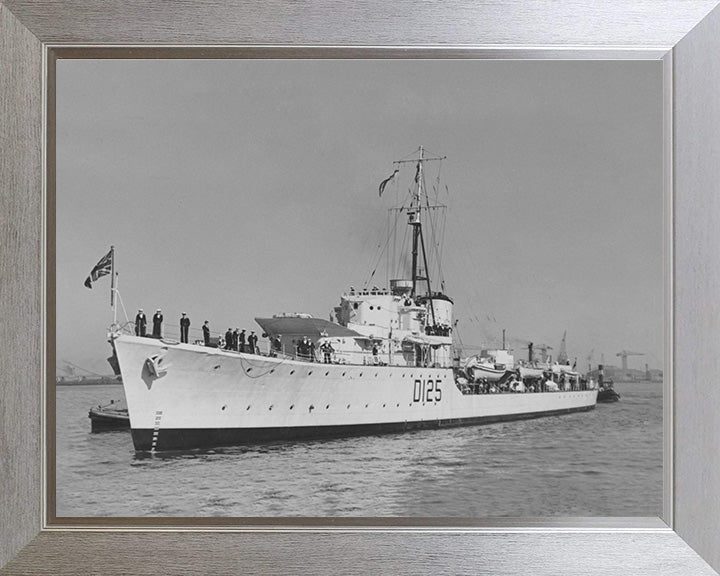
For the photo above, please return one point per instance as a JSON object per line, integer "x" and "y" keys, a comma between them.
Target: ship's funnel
{"x": 442, "y": 309}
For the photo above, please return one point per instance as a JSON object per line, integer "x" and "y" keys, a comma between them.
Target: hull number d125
{"x": 427, "y": 391}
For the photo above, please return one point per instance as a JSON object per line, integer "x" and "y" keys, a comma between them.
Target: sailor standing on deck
{"x": 140, "y": 323}
{"x": 157, "y": 324}
{"x": 311, "y": 350}
{"x": 275, "y": 345}
{"x": 242, "y": 341}
{"x": 302, "y": 348}
{"x": 206, "y": 333}
{"x": 228, "y": 339}
{"x": 184, "y": 328}
{"x": 236, "y": 340}
{"x": 252, "y": 342}
{"x": 327, "y": 351}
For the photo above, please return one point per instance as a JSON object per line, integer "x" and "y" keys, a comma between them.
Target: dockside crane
{"x": 624, "y": 356}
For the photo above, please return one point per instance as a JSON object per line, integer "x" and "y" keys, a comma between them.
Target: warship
{"x": 386, "y": 362}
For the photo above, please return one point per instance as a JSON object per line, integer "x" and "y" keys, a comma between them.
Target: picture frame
{"x": 683, "y": 35}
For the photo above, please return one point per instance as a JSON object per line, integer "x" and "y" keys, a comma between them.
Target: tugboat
{"x": 606, "y": 390}
{"x": 112, "y": 416}
{"x": 385, "y": 363}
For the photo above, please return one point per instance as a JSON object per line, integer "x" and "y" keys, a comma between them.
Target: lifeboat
{"x": 530, "y": 373}
{"x": 478, "y": 369}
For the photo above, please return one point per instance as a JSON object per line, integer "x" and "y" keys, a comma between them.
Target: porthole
{"x": 216, "y": 367}
{"x": 326, "y": 373}
{"x": 271, "y": 407}
{"x": 309, "y": 372}
{"x": 248, "y": 408}
{"x": 292, "y": 372}
{"x": 272, "y": 370}
{"x": 248, "y": 370}
{"x": 366, "y": 405}
{"x": 327, "y": 406}
{"x": 360, "y": 374}
{"x": 383, "y": 405}
{"x": 348, "y": 406}
{"x": 376, "y": 374}
{"x": 372, "y": 308}
{"x": 292, "y": 406}
{"x": 343, "y": 374}
{"x": 397, "y": 405}
{"x": 224, "y": 407}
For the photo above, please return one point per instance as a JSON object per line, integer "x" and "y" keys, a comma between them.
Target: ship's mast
{"x": 418, "y": 241}
{"x": 415, "y": 221}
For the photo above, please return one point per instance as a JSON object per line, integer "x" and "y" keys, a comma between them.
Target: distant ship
{"x": 385, "y": 363}
{"x": 87, "y": 380}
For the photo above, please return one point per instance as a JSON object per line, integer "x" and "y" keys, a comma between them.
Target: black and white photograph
{"x": 359, "y": 288}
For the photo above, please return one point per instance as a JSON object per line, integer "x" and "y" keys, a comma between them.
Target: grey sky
{"x": 235, "y": 189}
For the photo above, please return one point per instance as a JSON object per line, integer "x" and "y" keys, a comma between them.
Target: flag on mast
{"x": 386, "y": 181}
{"x": 102, "y": 268}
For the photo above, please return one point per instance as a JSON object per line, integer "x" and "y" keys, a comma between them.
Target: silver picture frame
{"x": 684, "y": 36}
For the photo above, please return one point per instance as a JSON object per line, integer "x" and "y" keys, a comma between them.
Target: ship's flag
{"x": 102, "y": 268}
{"x": 386, "y": 181}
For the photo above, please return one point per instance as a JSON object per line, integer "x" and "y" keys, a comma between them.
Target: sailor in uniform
{"x": 184, "y": 328}
{"x": 206, "y": 333}
{"x": 311, "y": 350}
{"x": 228, "y": 339}
{"x": 140, "y": 323}
{"x": 241, "y": 343}
{"x": 157, "y": 324}
{"x": 275, "y": 345}
{"x": 327, "y": 351}
{"x": 302, "y": 348}
{"x": 252, "y": 342}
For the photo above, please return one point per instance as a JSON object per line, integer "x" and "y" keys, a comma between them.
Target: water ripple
{"x": 607, "y": 462}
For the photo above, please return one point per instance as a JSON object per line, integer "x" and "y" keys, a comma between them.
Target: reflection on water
{"x": 607, "y": 462}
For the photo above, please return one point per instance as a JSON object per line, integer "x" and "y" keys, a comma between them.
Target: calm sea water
{"x": 607, "y": 462}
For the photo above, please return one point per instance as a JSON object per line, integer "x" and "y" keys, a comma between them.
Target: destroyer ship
{"x": 386, "y": 362}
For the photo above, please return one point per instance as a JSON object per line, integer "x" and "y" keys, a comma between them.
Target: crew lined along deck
{"x": 274, "y": 347}
{"x": 512, "y": 381}
{"x": 514, "y": 384}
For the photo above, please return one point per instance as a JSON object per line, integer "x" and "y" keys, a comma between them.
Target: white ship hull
{"x": 203, "y": 397}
